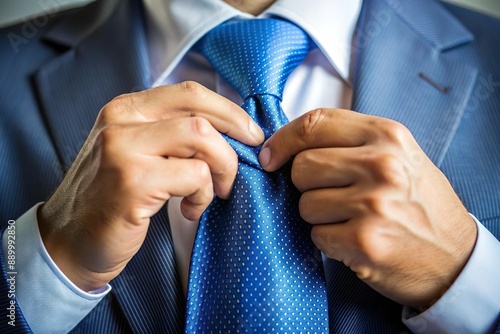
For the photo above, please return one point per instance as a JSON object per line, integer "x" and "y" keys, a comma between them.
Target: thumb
{"x": 319, "y": 128}
{"x": 288, "y": 141}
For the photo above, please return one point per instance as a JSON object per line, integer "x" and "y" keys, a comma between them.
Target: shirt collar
{"x": 331, "y": 23}
{"x": 175, "y": 25}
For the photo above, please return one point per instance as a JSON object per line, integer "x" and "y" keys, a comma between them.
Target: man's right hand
{"x": 143, "y": 149}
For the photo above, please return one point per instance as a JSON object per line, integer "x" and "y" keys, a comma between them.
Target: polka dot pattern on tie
{"x": 254, "y": 268}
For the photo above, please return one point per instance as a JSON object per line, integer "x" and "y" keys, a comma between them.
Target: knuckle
{"x": 311, "y": 121}
{"x": 388, "y": 169}
{"x": 201, "y": 127}
{"x": 229, "y": 163}
{"x": 392, "y": 131}
{"x": 365, "y": 270}
{"x": 299, "y": 169}
{"x": 388, "y": 165}
{"x": 362, "y": 270}
{"x": 392, "y": 172}
{"x": 375, "y": 204}
{"x": 115, "y": 108}
{"x": 202, "y": 197}
{"x": 192, "y": 88}
{"x": 363, "y": 239}
{"x": 201, "y": 171}
{"x": 371, "y": 244}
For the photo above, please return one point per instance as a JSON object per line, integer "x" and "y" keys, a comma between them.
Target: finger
{"x": 326, "y": 168}
{"x": 188, "y": 178}
{"x": 359, "y": 243}
{"x": 332, "y": 240}
{"x": 317, "y": 129}
{"x": 330, "y": 205}
{"x": 186, "y": 138}
{"x": 190, "y": 99}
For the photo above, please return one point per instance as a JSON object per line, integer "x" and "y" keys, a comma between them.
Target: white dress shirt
{"x": 173, "y": 27}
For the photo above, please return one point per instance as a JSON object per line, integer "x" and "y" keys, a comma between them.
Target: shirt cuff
{"x": 50, "y": 302}
{"x": 471, "y": 304}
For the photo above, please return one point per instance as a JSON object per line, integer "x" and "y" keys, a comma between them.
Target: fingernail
{"x": 256, "y": 132}
{"x": 265, "y": 157}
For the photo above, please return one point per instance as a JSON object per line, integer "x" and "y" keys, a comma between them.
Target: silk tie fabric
{"x": 254, "y": 267}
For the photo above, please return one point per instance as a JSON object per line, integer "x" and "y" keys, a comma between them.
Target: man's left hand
{"x": 377, "y": 202}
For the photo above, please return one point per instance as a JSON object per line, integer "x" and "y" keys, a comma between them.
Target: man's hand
{"x": 377, "y": 202}
{"x": 143, "y": 149}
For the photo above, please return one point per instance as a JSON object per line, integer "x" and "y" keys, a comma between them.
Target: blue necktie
{"x": 254, "y": 267}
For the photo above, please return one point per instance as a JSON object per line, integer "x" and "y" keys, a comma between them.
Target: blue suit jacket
{"x": 58, "y": 73}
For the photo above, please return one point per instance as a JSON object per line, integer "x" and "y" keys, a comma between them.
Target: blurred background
{"x": 12, "y": 11}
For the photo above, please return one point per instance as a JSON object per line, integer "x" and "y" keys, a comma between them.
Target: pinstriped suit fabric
{"x": 356, "y": 308}
{"x": 426, "y": 21}
{"x": 149, "y": 296}
{"x": 493, "y": 225}
{"x": 70, "y": 105}
{"x": 21, "y": 125}
{"x": 107, "y": 318}
{"x": 430, "y": 115}
{"x": 149, "y": 290}
{"x": 473, "y": 166}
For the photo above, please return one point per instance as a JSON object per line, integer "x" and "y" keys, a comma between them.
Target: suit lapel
{"x": 106, "y": 55}
{"x": 405, "y": 69}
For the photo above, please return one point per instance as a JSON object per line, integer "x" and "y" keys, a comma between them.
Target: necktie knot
{"x": 256, "y": 56}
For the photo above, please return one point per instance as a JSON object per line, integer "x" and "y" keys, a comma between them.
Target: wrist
{"x": 459, "y": 251}
{"x": 60, "y": 246}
